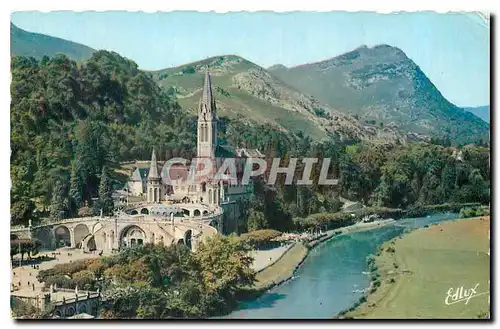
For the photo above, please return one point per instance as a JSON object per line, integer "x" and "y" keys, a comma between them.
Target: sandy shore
{"x": 265, "y": 258}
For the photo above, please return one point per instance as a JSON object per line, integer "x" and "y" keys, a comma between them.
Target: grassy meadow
{"x": 417, "y": 271}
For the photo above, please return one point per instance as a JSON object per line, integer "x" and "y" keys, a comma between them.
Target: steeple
{"x": 153, "y": 168}
{"x": 207, "y": 101}
{"x": 207, "y": 121}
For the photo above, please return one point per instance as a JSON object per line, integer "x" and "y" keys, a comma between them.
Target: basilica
{"x": 151, "y": 185}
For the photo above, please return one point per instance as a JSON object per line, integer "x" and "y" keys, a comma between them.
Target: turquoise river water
{"x": 323, "y": 286}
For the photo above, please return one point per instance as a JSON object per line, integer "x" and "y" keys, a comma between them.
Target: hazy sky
{"x": 452, "y": 49}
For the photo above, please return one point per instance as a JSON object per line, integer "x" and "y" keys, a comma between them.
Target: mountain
{"x": 246, "y": 90}
{"x": 382, "y": 84}
{"x": 482, "y": 112}
{"x": 370, "y": 93}
{"x": 24, "y": 43}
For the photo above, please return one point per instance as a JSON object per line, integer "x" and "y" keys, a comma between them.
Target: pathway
{"x": 264, "y": 258}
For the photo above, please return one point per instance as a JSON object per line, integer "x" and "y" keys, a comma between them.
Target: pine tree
{"x": 105, "y": 193}
{"x": 58, "y": 206}
{"x": 76, "y": 188}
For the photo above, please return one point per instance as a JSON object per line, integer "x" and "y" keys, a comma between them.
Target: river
{"x": 323, "y": 286}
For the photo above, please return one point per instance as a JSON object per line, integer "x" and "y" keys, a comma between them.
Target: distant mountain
{"x": 246, "y": 90}
{"x": 24, "y": 43}
{"x": 370, "y": 93}
{"x": 482, "y": 112}
{"x": 381, "y": 84}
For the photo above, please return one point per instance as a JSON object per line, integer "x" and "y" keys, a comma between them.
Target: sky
{"x": 451, "y": 49}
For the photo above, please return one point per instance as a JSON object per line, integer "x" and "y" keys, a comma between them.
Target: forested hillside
{"x": 69, "y": 121}
{"x": 401, "y": 177}
{"x": 24, "y": 43}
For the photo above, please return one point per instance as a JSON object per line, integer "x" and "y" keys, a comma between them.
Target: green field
{"x": 417, "y": 271}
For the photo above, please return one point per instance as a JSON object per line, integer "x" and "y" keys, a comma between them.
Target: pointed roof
{"x": 153, "y": 167}
{"x": 207, "y": 98}
{"x": 136, "y": 175}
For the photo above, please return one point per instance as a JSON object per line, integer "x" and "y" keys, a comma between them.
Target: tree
{"x": 256, "y": 220}
{"x": 24, "y": 246}
{"x": 75, "y": 189}
{"x": 21, "y": 211}
{"x": 105, "y": 193}
{"x": 225, "y": 264}
{"x": 58, "y": 207}
{"x": 260, "y": 238}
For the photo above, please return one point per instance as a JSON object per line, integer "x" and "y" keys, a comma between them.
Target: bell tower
{"x": 154, "y": 182}
{"x": 207, "y": 121}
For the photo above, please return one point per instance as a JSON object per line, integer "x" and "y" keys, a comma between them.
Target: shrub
{"x": 188, "y": 70}
{"x": 260, "y": 237}
{"x": 320, "y": 112}
{"x": 468, "y": 212}
{"x": 83, "y": 274}
{"x": 415, "y": 210}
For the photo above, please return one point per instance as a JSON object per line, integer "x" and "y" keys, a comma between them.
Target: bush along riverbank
{"x": 331, "y": 221}
{"x": 418, "y": 210}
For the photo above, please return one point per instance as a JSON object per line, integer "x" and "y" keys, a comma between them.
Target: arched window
{"x": 206, "y": 133}
{"x": 210, "y": 196}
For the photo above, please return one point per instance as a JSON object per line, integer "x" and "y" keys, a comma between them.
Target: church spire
{"x": 207, "y": 98}
{"x": 153, "y": 167}
{"x": 207, "y": 121}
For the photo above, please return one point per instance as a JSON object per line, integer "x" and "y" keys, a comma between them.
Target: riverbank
{"x": 412, "y": 275}
{"x": 349, "y": 229}
{"x": 284, "y": 268}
